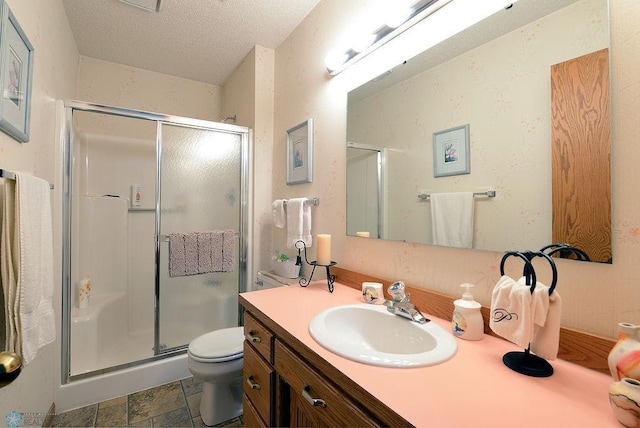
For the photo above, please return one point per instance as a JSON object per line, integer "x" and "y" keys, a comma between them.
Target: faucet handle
{"x": 396, "y": 290}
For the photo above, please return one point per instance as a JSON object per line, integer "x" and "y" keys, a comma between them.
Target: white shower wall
{"x": 113, "y": 242}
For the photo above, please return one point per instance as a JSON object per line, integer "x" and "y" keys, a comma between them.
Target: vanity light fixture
{"x": 399, "y": 19}
{"x": 150, "y": 5}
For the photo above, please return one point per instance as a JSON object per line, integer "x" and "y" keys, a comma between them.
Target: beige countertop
{"x": 473, "y": 389}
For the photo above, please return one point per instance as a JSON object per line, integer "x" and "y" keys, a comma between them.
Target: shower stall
{"x": 130, "y": 179}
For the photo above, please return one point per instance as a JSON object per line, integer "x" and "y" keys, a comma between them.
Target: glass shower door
{"x": 200, "y": 183}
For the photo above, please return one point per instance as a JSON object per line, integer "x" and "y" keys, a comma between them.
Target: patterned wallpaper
{"x": 119, "y": 85}
{"x": 595, "y": 296}
{"x": 54, "y": 77}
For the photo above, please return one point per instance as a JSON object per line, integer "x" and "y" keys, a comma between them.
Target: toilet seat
{"x": 218, "y": 346}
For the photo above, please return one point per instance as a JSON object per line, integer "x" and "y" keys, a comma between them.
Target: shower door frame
{"x": 67, "y": 181}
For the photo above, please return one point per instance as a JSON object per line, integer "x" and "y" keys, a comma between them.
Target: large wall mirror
{"x": 497, "y": 78}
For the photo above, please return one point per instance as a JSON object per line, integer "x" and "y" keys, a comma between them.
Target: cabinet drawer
{"x": 259, "y": 336}
{"x": 258, "y": 382}
{"x": 250, "y": 416}
{"x": 315, "y": 401}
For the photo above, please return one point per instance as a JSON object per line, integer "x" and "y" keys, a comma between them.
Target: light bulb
{"x": 362, "y": 42}
{"x": 335, "y": 59}
{"x": 397, "y": 16}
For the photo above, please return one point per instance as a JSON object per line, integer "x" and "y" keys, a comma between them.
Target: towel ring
{"x": 560, "y": 248}
{"x": 524, "y": 361}
{"x": 528, "y": 267}
{"x": 530, "y": 255}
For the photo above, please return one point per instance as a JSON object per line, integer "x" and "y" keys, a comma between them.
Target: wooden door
{"x": 581, "y": 154}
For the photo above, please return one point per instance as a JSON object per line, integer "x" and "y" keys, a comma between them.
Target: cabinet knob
{"x": 315, "y": 402}
{"x": 252, "y": 384}
{"x": 252, "y": 338}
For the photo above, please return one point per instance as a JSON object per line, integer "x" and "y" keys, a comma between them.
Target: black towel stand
{"x": 524, "y": 361}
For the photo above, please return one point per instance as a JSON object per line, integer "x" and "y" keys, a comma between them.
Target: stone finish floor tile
{"x": 155, "y": 401}
{"x": 193, "y": 402}
{"x": 113, "y": 402}
{"x": 176, "y": 418}
{"x": 82, "y": 417}
{"x": 176, "y": 404}
{"x": 191, "y": 386}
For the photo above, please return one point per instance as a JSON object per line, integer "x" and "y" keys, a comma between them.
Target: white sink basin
{"x": 372, "y": 335}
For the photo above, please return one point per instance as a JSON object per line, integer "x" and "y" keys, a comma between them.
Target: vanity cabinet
{"x": 297, "y": 387}
{"x": 258, "y": 374}
{"x": 310, "y": 400}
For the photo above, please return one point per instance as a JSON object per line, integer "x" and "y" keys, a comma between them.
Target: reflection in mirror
{"x": 496, "y": 77}
{"x": 367, "y": 189}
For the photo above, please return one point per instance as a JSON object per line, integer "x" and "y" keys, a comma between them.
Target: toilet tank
{"x": 266, "y": 280}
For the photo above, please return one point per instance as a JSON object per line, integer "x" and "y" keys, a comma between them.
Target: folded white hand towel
{"x": 539, "y": 302}
{"x": 277, "y": 210}
{"x": 452, "y": 219}
{"x": 546, "y": 339}
{"x": 298, "y": 222}
{"x": 511, "y": 315}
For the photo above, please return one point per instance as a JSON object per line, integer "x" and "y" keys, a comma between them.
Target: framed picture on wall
{"x": 16, "y": 62}
{"x": 300, "y": 153}
{"x": 451, "y": 152}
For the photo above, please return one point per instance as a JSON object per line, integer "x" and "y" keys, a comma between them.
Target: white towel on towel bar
{"x": 452, "y": 219}
{"x": 277, "y": 210}
{"x": 298, "y": 222}
{"x": 27, "y": 265}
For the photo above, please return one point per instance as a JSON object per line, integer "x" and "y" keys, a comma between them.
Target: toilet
{"x": 216, "y": 359}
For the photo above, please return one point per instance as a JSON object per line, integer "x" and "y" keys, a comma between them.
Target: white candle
{"x": 362, "y": 234}
{"x": 324, "y": 249}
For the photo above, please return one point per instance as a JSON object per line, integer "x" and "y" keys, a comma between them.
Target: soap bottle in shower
{"x": 467, "y": 322}
{"x": 84, "y": 292}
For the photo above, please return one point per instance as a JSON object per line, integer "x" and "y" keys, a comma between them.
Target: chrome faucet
{"x": 400, "y": 304}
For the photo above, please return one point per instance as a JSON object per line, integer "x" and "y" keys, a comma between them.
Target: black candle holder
{"x": 304, "y": 281}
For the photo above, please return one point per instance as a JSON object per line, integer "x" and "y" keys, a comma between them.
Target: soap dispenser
{"x": 467, "y": 320}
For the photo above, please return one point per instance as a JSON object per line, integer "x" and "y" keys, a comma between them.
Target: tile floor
{"x": 176, "y": 404}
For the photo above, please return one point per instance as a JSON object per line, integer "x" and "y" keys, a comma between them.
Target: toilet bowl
{"x": 216, "y": 359}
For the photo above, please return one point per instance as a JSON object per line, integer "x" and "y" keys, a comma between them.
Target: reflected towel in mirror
{"x": 452, "y": 219}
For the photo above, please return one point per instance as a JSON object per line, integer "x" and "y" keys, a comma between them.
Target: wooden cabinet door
{"x": 581, "y": 154}
{"x": 312, "y": 401}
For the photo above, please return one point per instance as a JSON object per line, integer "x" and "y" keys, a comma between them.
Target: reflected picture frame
{"x": 300, "y": 153}
{"x": 451, "y": 152}
{"x": 16, "y": 74}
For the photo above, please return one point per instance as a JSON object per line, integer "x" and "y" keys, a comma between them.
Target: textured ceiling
{"x": 203, "y": 40}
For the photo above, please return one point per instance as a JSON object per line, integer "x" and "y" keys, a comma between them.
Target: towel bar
{"x": 313, "y": 201}
{"x": 488, "y": 194}
{"x": 165, "y": 238}
{"x": 12, "y": 176}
